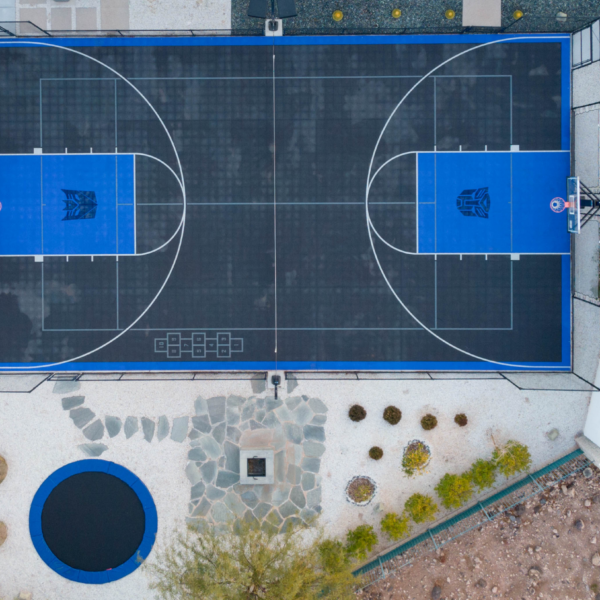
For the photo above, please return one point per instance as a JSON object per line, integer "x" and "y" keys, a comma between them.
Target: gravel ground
{"x": 419, "y": 14}
{"x": 545, "y": 549}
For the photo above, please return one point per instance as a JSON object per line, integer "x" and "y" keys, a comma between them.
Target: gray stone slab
{"x": 292, "y": 402}
{"x": 93, "y": 450}
{"x": 290, "y": 522}
{"x": 266, "y": 493}
{"x": 234, "y": 504}
{"x": 250, "y": 518}
{"x": 131, "y": 426}
{"x": 194, "y": 434}
{"x": 113, "y": 426}
{"x": 232, "y": 454}
{"x": 587, "y": 255}
{"x": 233, "y": 434}
{"x": 148, "y": 426}
{"x": 314, "y": 432}
{"x": 219, "y": 433}
{"x": 308, "y": 514}
{"x": 248, "y": 411}
{"x": 220, "y": 513}
{"x": 287, "y": 509}
{"x": 210, "y": 446}
{"x": 292, "y": 383}
{"x": 95, "y": 431}
{"x": 201, "y": 423}
{"x": 313, "y": 498}
{"x": 197, "y": 490}
{"x": 303, "y": 414}
{"x": 308, "y": 481}
{"x": 208, "y": 470}
{"x": 72, "y": 402}
{"x": 262, "y": 510}
{"x": 213, "y": 493}
{"x": 202, "y": 509}
{"x": 260, "y": 415}
{"x": 200, "y": 406}
{"x": 294, "y": 474}
{"x": 281, "y": 493}
{"x": 297, "y": 497}
{"x": 274, "y": 518}
{"x": 193, "y": 473}
{"x": 311, "y": 464}
{"x": 249, "y": 499}
{"x": 244, "y": 426}
{"x": 293, "y": 432}
{"x": 256, "y": 425}
{"x": 279, "y": 466}
{"x": 273, "y": 403}
{"x": 284, "y": 414}
{"x": 64, "y": 387}
{"x": 268, "y": 528}
{"x": 271, "y": 421}
{"x": 179, "y": 429}
{"x": 197, "y": 454}
{"x": 259, "y": 385}
{"x": 319, "y": 420}
{"x": 317, "y": 406}
{"x": 232, "y": 415}
{"x": 216, "y": 409}
{"x": 81, "y": 416}
{"x": 163, "y": 428}
{"x": 235, "y": 401}
{"x": 313, "y": 449}
{"x": 226, "y": 479}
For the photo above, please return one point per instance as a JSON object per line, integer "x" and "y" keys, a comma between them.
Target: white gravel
{"x": 180, "y": 14}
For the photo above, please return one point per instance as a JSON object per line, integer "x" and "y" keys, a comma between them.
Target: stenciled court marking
{"x": 181, "y": 228}
{"x": 371, "y": 229}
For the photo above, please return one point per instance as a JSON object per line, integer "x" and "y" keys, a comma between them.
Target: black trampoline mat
{"x": 93, "y": 521}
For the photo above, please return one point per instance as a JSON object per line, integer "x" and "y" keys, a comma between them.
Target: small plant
{"x": 512, "y": 458}
{"x": 392, "y": 415}
{"x": 357, "y": 413}
{"x": 421, "y": 508}
{"x": 375, "y": 452}
{"x": 482, "y": 474}
{"x": 360, "y": 541}
{"x": 461, "y": 419}
{"x": 454, "y": 490}
{"x": 428, "y": 422}
{"x": 415, "y": 458}
{"x": 360, "y": 490}
{"x": 395, "y": 526}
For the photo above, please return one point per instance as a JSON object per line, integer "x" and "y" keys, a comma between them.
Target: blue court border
{"x": 461, "y": 39}
{"x": 89, "y": 466}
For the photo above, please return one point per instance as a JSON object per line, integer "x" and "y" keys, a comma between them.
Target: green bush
{"x": 334, "y": 557}
{"x": 395, "y": 526}
{"x": 512, "y": 458}
{"x": 415, "y": 458}
{"x": 421, "y": 508}
{"x": 392, "y": 415}
{"x": 357, "y": 413}
{"x": 461, "y": 419}
{"x": 360, "y": 541}
{"x": 375, "y": 452}
{"x": 454, "y": 490}
{"x": 428, "y": 422}
{"x": 482, "y": 474}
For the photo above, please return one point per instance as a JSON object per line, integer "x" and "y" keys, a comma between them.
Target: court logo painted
{"x": 79, "y": 205}
{"x": 474, "y": 203}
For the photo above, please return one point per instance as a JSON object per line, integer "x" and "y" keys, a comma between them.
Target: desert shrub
{"x": 512, "y": 458}
{"x": 421, "y": 508}
{"x": 357, "y": 412}
{"x": 334, "y": 557}
{"x": 415, "y": 458}
{"x": 461, "y": 419}
{"x": 396, "y": 527}
{"x": 375, "y": 452}
{"x": 360, "y": 489}
{"x": 392, "y": 415}
{"x": 360, "y": 541}
{"x": 454, "y": 490}
{"x": 428, "y": 422}
{"x": 482, "y": 474}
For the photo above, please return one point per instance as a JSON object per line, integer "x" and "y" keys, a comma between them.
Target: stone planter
{"x": 353, "y": 488}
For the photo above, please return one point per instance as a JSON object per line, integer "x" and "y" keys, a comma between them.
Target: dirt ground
{"x": 547, "y": 548}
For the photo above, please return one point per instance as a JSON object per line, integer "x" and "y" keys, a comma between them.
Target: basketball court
{"x": 329, "y": 203}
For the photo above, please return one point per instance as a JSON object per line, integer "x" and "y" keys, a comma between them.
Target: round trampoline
{"x": 93, "y": 521}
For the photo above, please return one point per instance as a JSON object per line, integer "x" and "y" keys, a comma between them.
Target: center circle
{"x": 93, "y": 521}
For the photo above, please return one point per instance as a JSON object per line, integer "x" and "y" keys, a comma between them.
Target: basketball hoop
{"x": 558, "y": 205}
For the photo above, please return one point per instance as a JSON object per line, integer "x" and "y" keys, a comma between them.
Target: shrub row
{"x": 393, "y": 415}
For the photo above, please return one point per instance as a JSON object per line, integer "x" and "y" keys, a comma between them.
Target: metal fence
{"x": 480, "y": 513}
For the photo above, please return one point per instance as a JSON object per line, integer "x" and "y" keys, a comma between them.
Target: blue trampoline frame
{"x": 96, "y": 466}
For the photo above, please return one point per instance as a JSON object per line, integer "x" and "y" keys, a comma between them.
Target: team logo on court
{"x": 474, "y": 203}
{"x": 79, "y": 205}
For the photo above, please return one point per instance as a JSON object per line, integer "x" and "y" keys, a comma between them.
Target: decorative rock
{"x": 213, "y": 493}
{"x": 287, "y": 510}
{"x": 311, "y": 464}
{"x": 216, "y": 409}
{"x": 535, "y": 573}
{"x": 193, "y": 473}
{"x": 113, "y": 426}
{"x": 249, "y": 499}
{"x": 234, "y": 504}
{"x": 596, "y": 560}
{"x": 3, "y": 469}
{"x": 226, "y": 479}
{"x": 436, "y": 592}
{"x": 219, "y": 433}
{"x": 208, "y": 470}
{"x": 197, "y": 454}
{"x": 256, "y": 425}
{"x": 232, "y": 454}
{"x": 95, "y": 431}
{"x": 197, "y": 491}
{"x": 314, "y": 432}
{"x": 72, "y": 402}
{"x": 587, "y": 503}
{"x": 313, "y": 449}
{"x": 303, "y": 414}
{"x": 201, "y": 423}
{"x": 308, "y": 481}
{"x": 25, "y": 596}
{"x": 232, "y": 416}
{"x": 481, "y": 583}
{"x": 233, "y": 434}
{"x": 3, "y": 532}
{"x": 93, "y": 450}
{"x": 210, "y": 446}
{"x": 163, "y": 428}
{"x": 260, "y": 512}
{"x": 297, "y": 497}
{"x": 495, "y": 590}
{"x": 220, "y": 513}
{"x": 579, "y": 525}
{"x": 179, "y": 429}
{"x": 313, "y": 498}
{"x": 148, "y": 426}
{"x": 317, "y": 406}
{"x": 200, "y": 406}
{"x": 202, "y": 509}
{"x": 64, "y": 387}
{"x": 552, "y": 434}
{"x": 81, "y": 416}
{"x": 293, "y": 433}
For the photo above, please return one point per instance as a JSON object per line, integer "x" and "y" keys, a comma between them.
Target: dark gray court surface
{"x": 276, "y": 266}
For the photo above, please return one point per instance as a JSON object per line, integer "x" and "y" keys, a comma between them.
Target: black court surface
{"x": 294, "y": 203}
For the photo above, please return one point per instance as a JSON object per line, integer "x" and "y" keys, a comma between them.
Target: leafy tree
{"x": 360, "y": 541}
{"x": 395, "y": 526}
{"x": 421, "y": 508}
{"x": 482, "y": 474}
{"x": 247, "y": 563}
{"x": 512, "y": 458}
{"x": 454, "y": 490}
